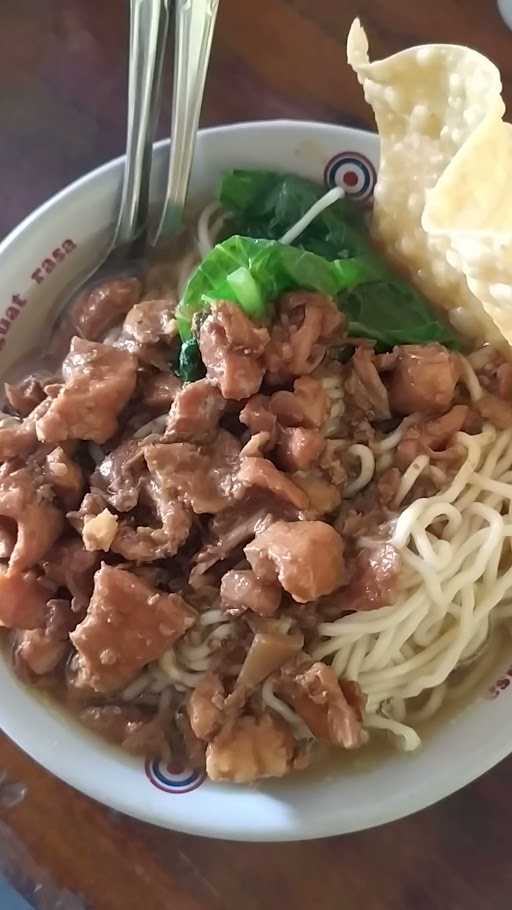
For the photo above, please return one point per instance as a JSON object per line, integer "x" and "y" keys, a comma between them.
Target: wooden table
{"x": 62, "y": 112}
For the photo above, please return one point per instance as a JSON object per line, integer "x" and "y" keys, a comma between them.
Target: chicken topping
{"x": 24, "y": 396}
{"x": 240, "y": 590}
{"x": 307, "y": 321}
{"x": 432, "y": 435}
{"x": 365, "y": 386}
{"x": 424, "y": 379}
{"x": 202, "y": 478}
{"x": 42, "y": 650}
{"x": 232, "y": 347}
{"x": 120, "y": 475}
{"x": 375, "y": 580}
{"x": 65, "y": 476}
{"x": 150, "y": 321}
{"x": 22, "y": 600}
{"x": 19, "y": 437}
{"x": 98, "y": 383}
{"x": 299, "y": 448}
{"x": 251, "y": 748}
{"x": 195, "y": 411}
{"x": 319, "y": 698}
{"x": 128, "y": 726}
{"x": 306, "y": 557}
{"x": 68, "y": 565}
{"x": 128, "y": 624}
{"x": 159, "y": 391}
{"x": 205, "y": 707}
{"x": 95, "y": 313}
{"x": 261, "y": 473}
{"x": 38, "y": 521}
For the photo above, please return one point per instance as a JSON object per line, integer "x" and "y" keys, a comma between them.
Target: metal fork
{"x": 194, "y": 26}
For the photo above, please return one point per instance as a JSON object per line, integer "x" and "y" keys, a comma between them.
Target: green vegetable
{"x": 266, "y": 204}
{"x": 378, "y": 304}
{"x": 247, "y": 292}
{"x": 190, "y": 366}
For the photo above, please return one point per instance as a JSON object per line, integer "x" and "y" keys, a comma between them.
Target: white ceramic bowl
{"x": 36, "y": 262}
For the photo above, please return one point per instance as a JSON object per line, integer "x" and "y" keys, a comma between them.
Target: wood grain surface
{"x": 62, "y": 112}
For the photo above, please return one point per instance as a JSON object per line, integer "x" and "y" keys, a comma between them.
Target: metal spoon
{"x": 194, "y": 26}
{"x": 125, "y": 253}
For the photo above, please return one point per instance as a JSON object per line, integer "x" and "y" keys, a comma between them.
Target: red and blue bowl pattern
{"x": 161, "y": 776}
{"x": 354, "y": 173}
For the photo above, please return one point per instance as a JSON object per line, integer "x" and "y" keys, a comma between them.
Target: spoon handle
{"x": 195, "y": 22}
{"x": 148, "y": 32}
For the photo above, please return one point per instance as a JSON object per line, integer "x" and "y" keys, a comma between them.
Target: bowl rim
{"x": 113, "y": 163}
{"x": 446, "y": 781}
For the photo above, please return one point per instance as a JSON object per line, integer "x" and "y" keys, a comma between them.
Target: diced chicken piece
{"x": 375, "y": 581}
{"x": 257, "y": 415}
{"x": 121, "y": 473}
{"x": 229, "y": 530}
{"x": 388, "y": 485}
{"x": 128, "y": 624}
{"x": 312, "y": 398}
{"x": 306, "y": 557}
{"x": 287, "y": 409}
{"x": 99, "y": 381}
{"x": 99, "y": 531}
{"x": 126, "y": 725}
{"x": 433, "y": 435}
{"x": 232, "y": 347}
{"x": 99, "y": 310}
{"x": 39, "y": 522}
{"x": 261, "y": 473}
{"x": 148, "y": 355}
{"x": 149, "y": 739}
{"x": 257, "y": 446}
{"x": 240, "y": 590}
{"x": 24, "y": 396}
{"x": 151, "y": 321}
{"x": 299, "y": 448}
{"x": 424, "y": 379}
{"x": 307, "y": 322}
{"x": 65, "y": 476}
{"x": 22, "y": 601}
{"x": 205, "y": 707}
{"x": 365, "y": 387}
{"x": 324, "y": 497}
{"x": 70, "y": 566}
{"x": 19, "y": 437}
{"x": 250, "y": 749}
{"x": 196, "y": 411}
{"x": 42, "y": 650}
{"x": 496, "y": 410}
{"x": 202, "y": 478}
{"x": 159, "y": 391}
{"x": 437, "y": 433}
{"x": 145, "y": 544}
{"x": 494, "y": 374}
{"x": 317, "y": 696}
